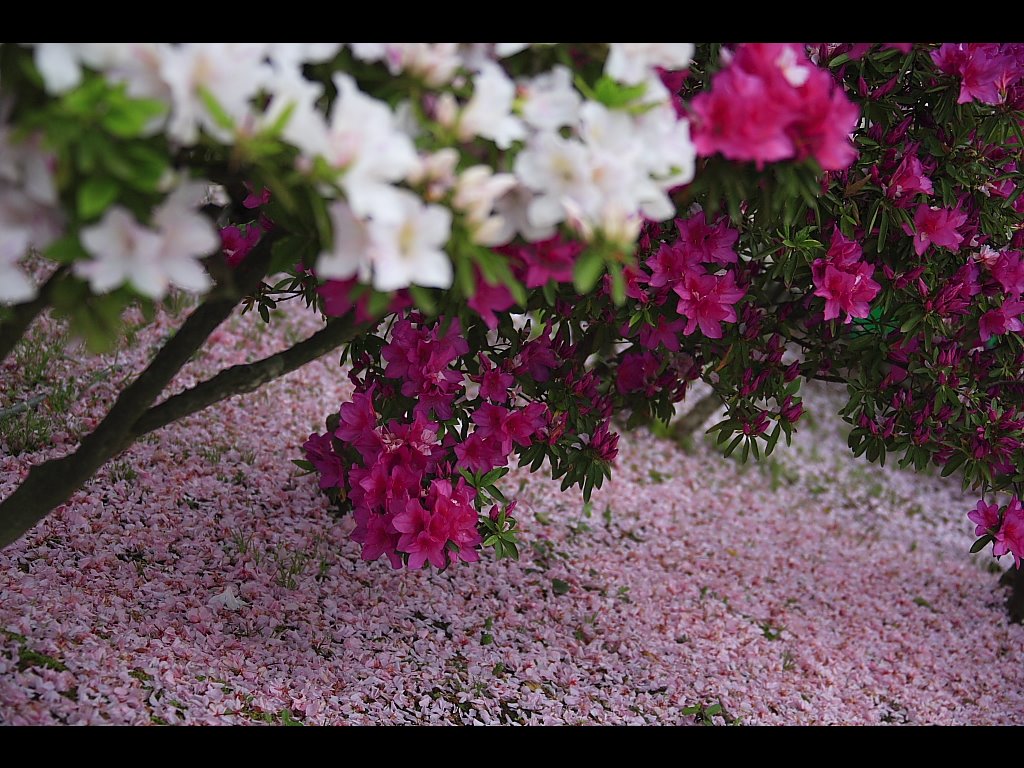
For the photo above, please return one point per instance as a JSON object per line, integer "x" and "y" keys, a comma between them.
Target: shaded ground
{"x": 811, "y": 589}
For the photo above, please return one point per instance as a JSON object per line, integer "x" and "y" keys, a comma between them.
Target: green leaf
{"x": 981, "y": 543}
{"x": 303, "y": 464}
{"x": 95, "y": 195}
{"x": 129, "y": 118}
{"x": 615, "y": 95}
{"x": 424, "y": 299}
{"x": 560, "y": 587}
{"x": 220, "y": 117}
{"x": 588, "y": 270}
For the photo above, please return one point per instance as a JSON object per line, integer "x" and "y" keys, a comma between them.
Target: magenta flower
{"x": 478, "y": 453}
{"x": 771, "y": 103}
{"x": 489, "y": 299}
{"x": 708, "y": 301}
{"x": 320, "y": 453}
{"x": 1010, "y": 537}
{"x": 908, "y": 179}
{"x": 986, "y": 516}
{"x": 848, "y": 291}
{"x": 544, "y": 260}
{"x": 455, "y": 507}
{"x": 708, "y": 243}
{"x": 358, "y": 425}
{"x": 1009, "y": 271}
{"x": 636, "y": 371}
{"x": 936, "y": 226}
{"x": 996, "y": 322}
{"x": 671, "y": 263}
{"x": 983, "y": 70}
{"x": 423, "y": 535}
{"x": 378, "y": 536}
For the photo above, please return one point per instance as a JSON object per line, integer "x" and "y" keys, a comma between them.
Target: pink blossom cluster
{"x": 844, "y": 280}
{"x": 401, "y": 474}
{"x": 1005, "y": 525}
{"x": 989, "y": 72}
{"x": 705, "y": 299}
{"x": 770, "y": 103}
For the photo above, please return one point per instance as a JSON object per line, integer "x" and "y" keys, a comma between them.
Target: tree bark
{"x": 52, "y": 483}
{"x": 22, "y": 315}
{"x": 248, "y": 377}
{"x": 690, "y": 421}
{"x": 1014, "y": 578}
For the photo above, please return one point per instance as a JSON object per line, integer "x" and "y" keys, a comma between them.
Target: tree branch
{"x": 22, "y": 315}
{"x": 52, "y": 483}
{"x": 239, "y": 379}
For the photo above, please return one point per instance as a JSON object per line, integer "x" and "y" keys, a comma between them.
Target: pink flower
{"x": 708, "y": 243}
{"x": 671, "y": 263}
{"x": 986, "y": 516}
{"x": 544, "y": 260}
{"x": 848, "y": 291}
{"x": 708, "y": 301}
{"x": 236, "y": 244}
{"x": 908, "y": 179}
{"x": 665, "y": 333}
{"x": 489, "y": 299}
{"x": 936, "y": 226}
{"x": 996, "y": 322}
{"x": 1009, "y": 271}
{"x": 771, "y": 103}
{"x": 358, "y": 425}
{"x": 637, "y": 371}
{"x": 1010, "y": 537}
{"x": 320, "y": 453}
{"x": 983, "y": 69}
{"x": 478, "y": 453}
{"x": 455, "y": 507}
{"x": 378, "y": 536}
{"x": 423, "y": 535}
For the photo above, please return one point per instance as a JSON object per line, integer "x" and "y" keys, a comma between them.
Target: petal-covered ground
{"x": 199, "y": 578}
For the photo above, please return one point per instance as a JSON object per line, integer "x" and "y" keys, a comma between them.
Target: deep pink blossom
{"x": 936, "y": 226}
{"x": 1005, "y": 319}
{"x": 908, "y": 179}
{"x": 671, "y": 262}
{"x": 544, "y": 260}
{"x": 358, "y": 425}
{"x": 1009, "y": 271}
{"x": 423, "y": 535}
{"x": 1010, "y": 538}
{"x": 320, "y": 453}
{"x": 489, "y": 299}
{"x": 708, "y": 301}
{"x": 849, "y": 291}
{"x": 708, "y": 243}
{"x": 237, "y": 244}
{"x": 986, "y": 517}
{"x": 771, "y": 103}
{"x": 378, "y": 536}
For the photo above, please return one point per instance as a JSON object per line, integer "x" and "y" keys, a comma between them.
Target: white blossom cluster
{"x": 563, "y": 159}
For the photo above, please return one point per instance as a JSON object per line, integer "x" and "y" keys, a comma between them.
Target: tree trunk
{"x": 1014, "y": 578}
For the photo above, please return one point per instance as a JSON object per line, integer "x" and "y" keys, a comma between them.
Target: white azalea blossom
{"x": 407, "y": 245}
{"x": 151, "y": 260}
{"x": 350, "y": 254}
{"x": 633, "y": 63}
{"x": 549, "y": 101}
{"x": 363, "y": 139}
{"x": 231, "y": 73}
{"x": 489, "y": 111}
{"x": 476, "y": 193}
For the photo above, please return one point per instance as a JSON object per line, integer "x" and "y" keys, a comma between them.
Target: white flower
{"x": 476, "y": 192}
{"x": 226, "y": 600}
{"x": 351, "y": 252}
{"x": 634, "y": 63}
{"x": 555, "y": 168}
{"x": 306, "y": 127}
{"x": 513, "y": 208}
{"x": 489, "y": 111}
{"x": 15, "y": 285}
{"x": 231, "y": 73}
{"x": 550, "y": 101}
{"x": 186, "y": 236}
{"x": 504, "y": 50}
{"x": 365, "y": 141}
{"x": 407, "y": 244}
{"x": 123, "y": 251}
